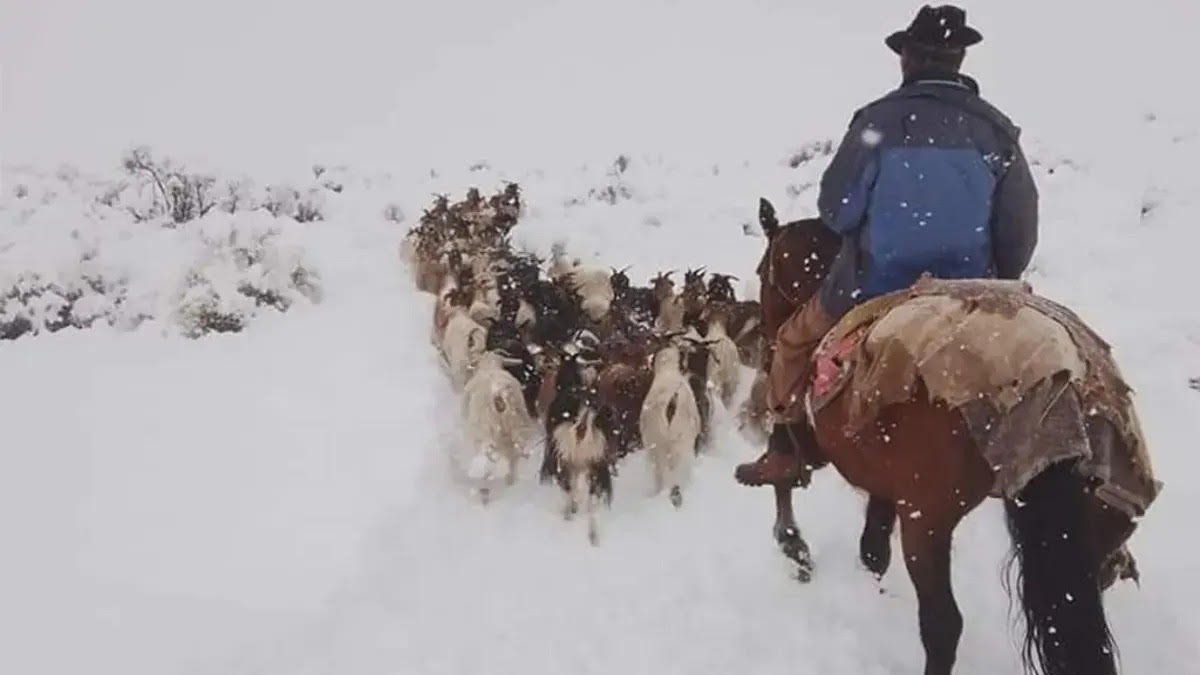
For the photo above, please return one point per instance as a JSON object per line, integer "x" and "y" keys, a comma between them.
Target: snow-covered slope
{"x": 279, "y": 500}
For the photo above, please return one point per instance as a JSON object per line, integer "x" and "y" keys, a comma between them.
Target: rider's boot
{"x": 779, "y": 465}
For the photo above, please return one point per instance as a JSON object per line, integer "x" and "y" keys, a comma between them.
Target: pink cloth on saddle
{"x": 829, "y": 361}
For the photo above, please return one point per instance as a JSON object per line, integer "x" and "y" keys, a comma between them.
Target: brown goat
{"x": 621, "y": 387}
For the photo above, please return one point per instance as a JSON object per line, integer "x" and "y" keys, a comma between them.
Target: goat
{"x": 560, "y": 264}
{"x": 662, "y": 289}
{"x": 430, "y": 271}
{"x": 754, "y": 419}
{"x": 695, "y": 367}
{"x": 621, "y": 388}
{"x": 510, "y": 306}
{"x": 485, "y": 303}
{"x": 591, "y": 282}
{"x": 723, "y": 356}
{"x": 720, "y": 288}
{"x": 672, "y": 315}
{"x": 746, "y": 329}
{"x": 556, "y": 306}
{"x": 669, "y": 423}
{"x": 497, "y": 422}
{"x": 452, "y": 298}
{"x": 503, "y": 335}
{"x": 462, "y": 345}
{"x": 635, "y": 303}
{"x": 575, "y": 445}
{"x": 694, "y": 296}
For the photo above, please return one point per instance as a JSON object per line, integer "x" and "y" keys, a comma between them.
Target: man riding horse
{"x": 929, "y": 178}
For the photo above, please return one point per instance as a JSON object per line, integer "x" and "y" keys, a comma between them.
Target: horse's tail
{"x": 1065, "y": 628}
{"x": 767, "y": 219}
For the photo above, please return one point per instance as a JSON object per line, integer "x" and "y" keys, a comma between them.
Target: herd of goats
{"x": 578, "y": 356}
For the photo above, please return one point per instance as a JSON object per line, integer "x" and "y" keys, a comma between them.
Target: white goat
{"x": 724, "y": 360}
{"x": 408, "y": 249}
{"x": 486, "y": 303}
{"x": 462, "y": 346}
{"x": 443, "y": 308}
{"x": 754, "y": 419}
{"x": 498, "y": 425}
{"x": 669, "y": 423}
{"x": 592, "y": 282}
{"x": 670, "y": 314}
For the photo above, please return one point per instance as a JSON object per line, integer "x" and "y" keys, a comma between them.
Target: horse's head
{"x": 794, "y": 264}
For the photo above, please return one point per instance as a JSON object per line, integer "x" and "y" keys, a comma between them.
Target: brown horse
{"x": 917, "y": 460}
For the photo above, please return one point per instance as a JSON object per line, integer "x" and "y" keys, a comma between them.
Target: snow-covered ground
{"x": 279, "y": 500}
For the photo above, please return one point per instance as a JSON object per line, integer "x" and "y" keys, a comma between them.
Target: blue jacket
{"x": 930, "y": 178}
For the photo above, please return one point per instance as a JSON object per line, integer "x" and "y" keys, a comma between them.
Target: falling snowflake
{"x": 871, "y": 137}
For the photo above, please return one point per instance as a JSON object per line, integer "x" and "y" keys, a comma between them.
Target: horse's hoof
{"x": 804, "y": 573}
{"x": 796, "y": 549}
{"x": 676, "y": 497}
{"x": 876, "y": 556}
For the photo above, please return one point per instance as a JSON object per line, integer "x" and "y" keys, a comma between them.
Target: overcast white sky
{"x": 274, "y": 83}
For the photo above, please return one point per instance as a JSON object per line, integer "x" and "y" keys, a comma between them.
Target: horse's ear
{"x": 766, "y": 218}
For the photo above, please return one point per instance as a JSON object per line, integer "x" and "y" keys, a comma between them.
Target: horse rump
{"x": 1058, "y": 576}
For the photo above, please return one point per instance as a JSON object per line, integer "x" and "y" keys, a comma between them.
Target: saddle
{"x": 1016, "y": 366}
{"x": 948, "y": 312}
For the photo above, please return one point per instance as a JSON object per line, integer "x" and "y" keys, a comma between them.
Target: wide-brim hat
{"x": 943, "y": 27}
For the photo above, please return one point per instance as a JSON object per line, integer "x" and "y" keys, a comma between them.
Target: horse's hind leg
{"x": 927, "y": 556}
{"x": 875, "y": 544}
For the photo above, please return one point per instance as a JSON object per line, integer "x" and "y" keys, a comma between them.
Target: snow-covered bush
{"x": 188, "y": 252}
{"x": 286, "y": 201}
{"x": 31, "y": 304}
{"x": 615, "y": 189}
{"x": 246, "y": 267}
{"x": 808, "y": 152}
{"x": 173, "y": 190}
